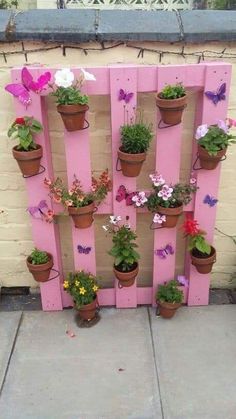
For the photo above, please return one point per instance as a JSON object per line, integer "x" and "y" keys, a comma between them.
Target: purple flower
{"x": 222, "y": 125}
{"x": 165, "y": 193}
{"x": 202, "y": 130}
{"x": 158, "y": 218}
{"x": 157, "y": 179}
{"x": 139, "y": 199}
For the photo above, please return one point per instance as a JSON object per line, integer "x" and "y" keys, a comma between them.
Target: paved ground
{"x": 130, "y": 365}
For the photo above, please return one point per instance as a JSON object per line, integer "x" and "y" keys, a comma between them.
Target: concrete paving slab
{"x": 195, "y": 354}
{"x": 8, "y": 327}
{"x": 105, "y": 372}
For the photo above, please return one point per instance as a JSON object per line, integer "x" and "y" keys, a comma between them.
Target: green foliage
{"x": 8, "y": 4}
{"x": 169, "y": 292}
{"x": 215, "y": 140}
{"x": 136, "y": 138}
{"x": 182, "y": 194}
{"x": 38, "y": 257}
{"x": 70, "y": 96}
{"x": 198, "y": 242}
{"x": 172, "y": 91}
{"x": 24, "y": 131}
{"x": 82, "y": 286}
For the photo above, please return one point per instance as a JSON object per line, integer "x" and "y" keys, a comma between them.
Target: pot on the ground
{"x": 83, "y": 216}
{"x": 126, "y": 279}
{"x": 168, "y": 310}
{"x": 172, "y": 215}
{"x": 203, "y": 264}
{"x": 171, "y": 110}
{"x": 41, "y": 272}
{"x": 88, "y": 311}
{"x": 131, "y": 164}
{"x": 28, "y": 161}
{"x": 73, "y": 116}
{"x": 207, "y": 161}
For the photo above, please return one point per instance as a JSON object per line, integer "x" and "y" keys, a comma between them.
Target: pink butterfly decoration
{"x": 123, "y": 194}
{"x": 41, "y": 211}
{"x": 125, "y": 96}
{"x": 22, "y": 90}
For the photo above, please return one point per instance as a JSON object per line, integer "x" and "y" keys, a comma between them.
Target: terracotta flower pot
{"x": 28, "y": 161}
{"x": 126, "y": 279}
{"x": 204, "y": 264}
{"x": 171, "y": 109}
{"x": 83, "y": 216}
{"x": 172, "y": 215}
{"x": 131, "y": 164}
{"x": 41, "y": 272}
{"x": 207, "y": 161}
{"x": 168, "y": 310}
{"x": 73, "y": 116}
{"x": 88, "y": 311}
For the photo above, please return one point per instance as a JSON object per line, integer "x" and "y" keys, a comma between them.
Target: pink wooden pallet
{"x": 137, "y": 79}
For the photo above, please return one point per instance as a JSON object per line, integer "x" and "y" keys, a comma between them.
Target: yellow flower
{"x": 66, "y": 284}
{"x": 82, "y": 290}
{"x": 95, "y": 288}
{"x": 77, "y": 283}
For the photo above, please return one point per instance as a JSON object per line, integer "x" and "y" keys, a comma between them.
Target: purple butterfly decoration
{"x": 123, "y": 194}
{"x": 217, "y": 96}
{"x": 22, "y": 90}
{"x": 125, "y": 96}
{"x": 37, "y": 212}
{"x": 182, "y": 280}
{"x": 83, "y": 249}
{"x": 164, "y": 252}
{"x": 210, "y": 200}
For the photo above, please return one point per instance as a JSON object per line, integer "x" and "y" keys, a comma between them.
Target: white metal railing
{"x": 119, "y": 4}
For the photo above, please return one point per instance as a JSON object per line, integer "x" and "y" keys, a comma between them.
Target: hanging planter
{"x": 131, "y": 164}
{"x": 208, "y": 161}
{"x": 28, "y": 161}
{"x": 171, "y": 214}
{"x": 82, "y": 216}
{"x": 126, "y": 279}
{"x": 203, "y": 262}
{"x": 169, "y": 298}
{"x": 40, "y": 264}
{"x": 172, "y": 101}
{"x": 73, "y": 116}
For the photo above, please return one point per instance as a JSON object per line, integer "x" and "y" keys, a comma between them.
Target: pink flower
{"x": 47, "y": 182}
{"x": 70, "y": 192}
{"x": 222, "y": 125}
{"x": 231, "y": 122}
{"x": 49, "y": 216}
{"x": 165, "y": 193}
{"x": 56, "y": 199}
{"x": 69, "y": 203}
{"x": 157, "y": 179}
{"x": 192, "y": 181}
{"x": 202, "y": 130}
{"x": 139, "y": 199}
{"x": 158, "y": 218}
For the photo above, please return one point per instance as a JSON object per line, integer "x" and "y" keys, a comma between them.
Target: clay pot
{"x": 82, "y": 217}
{"x": 131, "y": 164}
{"x": 41, "y": 272}
{"x": 168, "y": 310}
{"x": 204, "y": 264}
{"x": 172, "y": 215}
{"x": 126, "y": 279}
{"x": 171, "y": 110}
{"x": 73, "y": 116}
{"x": 28, "y": 161}
{"x": 88, "y": 311}
{"x": 210, "y": 162}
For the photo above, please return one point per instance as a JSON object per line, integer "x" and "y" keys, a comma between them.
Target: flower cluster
{"x": 159, "y": 219}
{"x": 195, "y": 236}
{"x": 82, "y": 286}
{"x": 215, "y": 137}
{"x": 24, "y": 129}
{"x": 139, "y": 199}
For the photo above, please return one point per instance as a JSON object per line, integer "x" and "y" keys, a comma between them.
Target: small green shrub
{"x": 70, "y": 96}
{"x": 82, "y": 286}
{"x": 169, "y": 293}
{"x": 172, "y": 91}
{"x": 23, "y": 130}
{"x": 38, "y": 257}
{"x": 136, "y": 138}
{"x": 7, "y": 4}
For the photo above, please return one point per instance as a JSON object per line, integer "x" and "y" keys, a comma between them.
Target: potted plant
{"x": 83, "y": 287}
{"x": 123, "y": 250}
{"x": 27, "y": 154}
{"x": 167, "y": 201}
{"x": 40, "y": 264}
{"x": 72, "y": 104}
{"x": 213, "y": 141}
{"x": 135, "y": 141}
{"x": 169, "y": 298}
{"x": 171, "y": 102}
{"x": 80, "y": 204}
{"x": 203, "y": 255}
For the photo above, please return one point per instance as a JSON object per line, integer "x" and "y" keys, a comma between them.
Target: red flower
{"x": 190, "y": 227}
{"x": 20, "y": 121}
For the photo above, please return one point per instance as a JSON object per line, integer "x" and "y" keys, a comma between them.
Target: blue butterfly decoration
{"x": 210, "y": 200}
{"x": 217, "y": 96}
{"x": 84, "y": 249}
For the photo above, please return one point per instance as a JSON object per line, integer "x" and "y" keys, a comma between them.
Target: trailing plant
{"x": 215, "y": 137}
{"x": 169, "y": 292}
{"x": 196, "y": 239}
{"x": 23, "y": 130}
{"x": 136, "y": 137}
{"x": 38, "y": 257}
{"x": 75, "y": 196}
{"x": 172, "y": 91}
{"x": 123, "y": 249}
{"x": 82, "y": 286}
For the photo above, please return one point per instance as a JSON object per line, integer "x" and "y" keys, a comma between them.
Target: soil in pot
{"x": 168, "y": 310}
{"x": 202, "y": 261}
{"x": 88, "y": 311}
{"x": 171, "y": 110}
{"x": 83, "y": 216}
{"x": 131, "y": 164}
{"x": 73, "y": 116}
{"x": 207, "y": 161}
{"x": 172, "y": 215}
{"x": 28, "y": 161}
{"x": 126, "y": 279}
{"x": 41, "y": 273}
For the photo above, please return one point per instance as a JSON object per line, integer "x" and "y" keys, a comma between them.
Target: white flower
{"x": 139, "y": 199}
{"x": 114, "y": 219}
{"x": 64, "y": 78}
{"x": 202, "y": 130}
{"x": 88, "y": 76}
{"x": 105, "y": 228}
{"x": 158, "y": 218}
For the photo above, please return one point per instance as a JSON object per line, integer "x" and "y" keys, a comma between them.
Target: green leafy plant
{"x": 196, "y": 239}
{"x": 23, "y": 129}
{"x": 169, "y": 293}
{"x": 8, "y": 4}
{"x": 70, "y": 96}
{"x": 136, "y": 138}
{"x": 82, "y": 286}
{"x": 123, "y": 249}
{"x": 172, "y": 91}
{"x": 215, "y": 137}
{"x": 38, "y": 257}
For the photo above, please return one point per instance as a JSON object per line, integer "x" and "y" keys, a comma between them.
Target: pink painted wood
{"x": 45, "y": 235}
{"x": 208, "y": 180}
